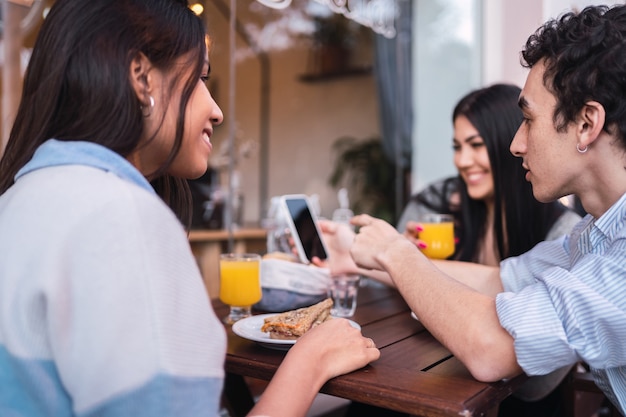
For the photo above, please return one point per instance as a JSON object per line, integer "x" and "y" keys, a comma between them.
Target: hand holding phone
{"x": 304, "y": 229}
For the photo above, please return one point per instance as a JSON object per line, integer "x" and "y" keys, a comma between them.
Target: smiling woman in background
{"x": 489, "y": 198}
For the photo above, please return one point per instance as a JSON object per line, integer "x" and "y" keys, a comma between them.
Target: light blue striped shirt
{"x": 565, "y": 301}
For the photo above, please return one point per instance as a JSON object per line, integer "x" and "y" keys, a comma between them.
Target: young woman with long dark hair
{"x": 490, "y": 199}
{"x": 103, "y": 311}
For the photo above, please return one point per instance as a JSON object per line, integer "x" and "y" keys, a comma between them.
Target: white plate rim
{"x": 250, "y": 328}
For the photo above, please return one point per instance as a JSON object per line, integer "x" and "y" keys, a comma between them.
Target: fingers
{"x": 338, "y": 330}
{"x": 362, "y": 220}
{"x": 327, "y": 226}
{"x": 318, "y": 262}
{"x": 371, "y": 351}
{"x": 355, "y": 339}
{"x": 412, "y": 231}
{"x": 413, "y": 228}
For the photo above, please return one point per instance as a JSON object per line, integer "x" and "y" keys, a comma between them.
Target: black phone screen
{"x": 302, "y": 219}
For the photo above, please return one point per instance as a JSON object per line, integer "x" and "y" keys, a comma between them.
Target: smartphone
{"x": 304, "y": 228}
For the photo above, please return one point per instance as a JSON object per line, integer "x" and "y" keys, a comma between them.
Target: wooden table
{"x": 207, "y": 245}
{"x": 415, "y": 373}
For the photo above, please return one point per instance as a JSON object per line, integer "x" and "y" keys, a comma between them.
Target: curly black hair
{"x": 585, "y": 59}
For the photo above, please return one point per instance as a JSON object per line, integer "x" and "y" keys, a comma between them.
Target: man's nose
{"x": 518, "y": 144}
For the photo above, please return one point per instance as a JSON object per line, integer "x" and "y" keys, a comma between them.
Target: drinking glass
{"x": 343, "y": 291}
{"x": 240, "y": 284}
{"x": 438, "y": 235}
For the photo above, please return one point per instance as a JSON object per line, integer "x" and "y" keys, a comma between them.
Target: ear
{"x": 590, "y": 123}
{"x": 141, "y": 77}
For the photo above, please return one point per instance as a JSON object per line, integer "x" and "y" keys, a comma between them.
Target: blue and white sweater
{"x": 103, "y": 311}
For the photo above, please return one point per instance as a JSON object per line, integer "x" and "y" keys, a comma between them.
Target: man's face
{"x": 547, "y": 154}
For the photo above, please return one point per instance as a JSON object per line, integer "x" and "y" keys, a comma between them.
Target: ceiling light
{"x": 197, "y": 8}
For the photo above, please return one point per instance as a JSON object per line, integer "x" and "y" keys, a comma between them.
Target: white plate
{"x": 250, "y": 328}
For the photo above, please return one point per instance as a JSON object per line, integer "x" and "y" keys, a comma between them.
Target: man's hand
{"x": 374, "y": 238}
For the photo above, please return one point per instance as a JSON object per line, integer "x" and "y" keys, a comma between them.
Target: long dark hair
{"x": 77, "y": 85}
{"x": 520, "y": 221}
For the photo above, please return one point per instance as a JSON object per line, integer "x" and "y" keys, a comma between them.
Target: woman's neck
{"x": 487, "y": 249}
{"x": 490, "y": 208}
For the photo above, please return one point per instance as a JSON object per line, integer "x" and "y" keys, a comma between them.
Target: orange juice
{"x": 439, "y": 238}
{"x": 239, "y": 282}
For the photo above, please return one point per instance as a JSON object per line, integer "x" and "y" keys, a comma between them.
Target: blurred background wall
{"x": 290, "y": 108}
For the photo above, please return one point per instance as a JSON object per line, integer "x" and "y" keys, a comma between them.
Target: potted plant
{"x": 334, "y": 37}
{"x": 369, "y": 175}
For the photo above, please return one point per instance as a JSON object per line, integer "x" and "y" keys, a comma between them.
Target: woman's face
{"x": 202, "y": 114}
{"x": 472, "y": 160}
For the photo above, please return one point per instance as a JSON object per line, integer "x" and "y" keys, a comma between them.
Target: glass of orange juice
{"x": 438, "y": 235}
{"x": 240, "y": 283}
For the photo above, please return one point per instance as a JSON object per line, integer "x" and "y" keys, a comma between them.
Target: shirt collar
{"x": 613, "y": 221}
{"x": 55, "y": 153}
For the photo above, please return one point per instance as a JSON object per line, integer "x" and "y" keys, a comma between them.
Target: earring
{"x": 149, "y": 108}
{"x": 585, "y": 149}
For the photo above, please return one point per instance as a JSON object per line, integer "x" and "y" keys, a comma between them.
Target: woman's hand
{"x": 335, "y": 348}
{"x": 329, "y": 350}
{"x": 338, "y": 238}
{"x": 411, "y": 232}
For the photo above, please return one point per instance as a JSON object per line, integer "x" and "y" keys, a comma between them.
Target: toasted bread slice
{"x": 294, "y": 323}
